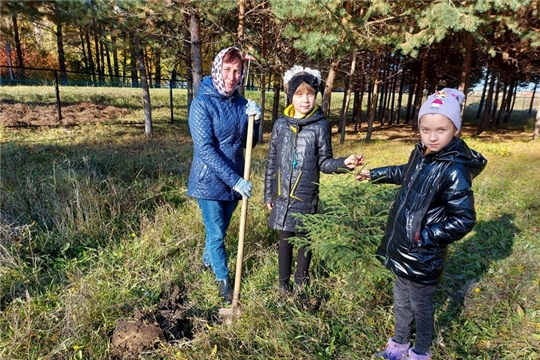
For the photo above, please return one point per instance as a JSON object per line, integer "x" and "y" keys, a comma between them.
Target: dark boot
{"x": 285, "y": 286}
{"x": 225, "y": 290}
{"x": 300, "y": 283}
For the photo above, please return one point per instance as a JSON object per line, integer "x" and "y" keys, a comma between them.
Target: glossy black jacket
{"x": 294, "y": 188}
{"x": 433, "y": 208}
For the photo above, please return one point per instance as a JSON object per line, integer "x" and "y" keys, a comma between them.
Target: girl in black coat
{"x": 300, "y": 148}
{"x": 433, "y": 208}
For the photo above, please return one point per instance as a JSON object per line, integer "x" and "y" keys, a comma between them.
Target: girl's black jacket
{"x": 433, "y": 208}
{"x": 299, "y": 150}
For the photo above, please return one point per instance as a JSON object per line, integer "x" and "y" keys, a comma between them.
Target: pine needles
{"x": 349, "y": 226}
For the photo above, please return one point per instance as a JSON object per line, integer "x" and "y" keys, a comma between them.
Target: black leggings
{"x": 285, "y": 259}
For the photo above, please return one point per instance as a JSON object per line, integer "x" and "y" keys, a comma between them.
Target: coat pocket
{"x": 276, "y": 185}
{"x": 414, "y": 227}
{"x": 295, "y": 187}
{"x": 202, "y": 174}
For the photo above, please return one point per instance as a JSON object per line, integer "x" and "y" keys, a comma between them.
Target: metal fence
{"x": 39, "y": 89}
{"x": 11, "y": 75}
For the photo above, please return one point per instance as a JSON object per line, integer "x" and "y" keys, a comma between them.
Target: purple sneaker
{"x": 394, "y": 351}
{"x": 411, "y": 355}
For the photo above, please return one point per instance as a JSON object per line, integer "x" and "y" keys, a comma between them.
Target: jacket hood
{"x": 314, "y": 116}
{"x": 458, "y": 151}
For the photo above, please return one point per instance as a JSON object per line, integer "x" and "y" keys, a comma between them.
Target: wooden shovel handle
{"x": 243, "y": 215}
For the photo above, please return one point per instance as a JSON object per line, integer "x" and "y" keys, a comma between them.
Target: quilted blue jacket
{"x": 218, "y": 126}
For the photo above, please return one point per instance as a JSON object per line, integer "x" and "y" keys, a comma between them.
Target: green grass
{"x": 95, "y": 226}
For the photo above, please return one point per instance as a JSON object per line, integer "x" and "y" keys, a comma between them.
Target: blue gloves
{"x": 252, "y": 108}
{"x": 243, "y": 187}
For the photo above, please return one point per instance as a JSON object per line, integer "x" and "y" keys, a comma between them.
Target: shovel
{"x": 234, "y": 309}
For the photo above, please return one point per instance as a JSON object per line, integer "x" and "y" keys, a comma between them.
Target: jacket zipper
{"x": 402, "y": 204}
{"x": 291, "y": 173}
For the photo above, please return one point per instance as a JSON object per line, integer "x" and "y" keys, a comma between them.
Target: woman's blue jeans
{"x": 216, "y": 217}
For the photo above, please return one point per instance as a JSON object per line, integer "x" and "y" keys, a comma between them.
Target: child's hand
{"x": 353, "y": 161}
{"x": 363, "y": 175}
{"x": 269, "y": 206}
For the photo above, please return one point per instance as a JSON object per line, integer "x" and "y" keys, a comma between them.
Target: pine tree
{"x": 346, "y": 231}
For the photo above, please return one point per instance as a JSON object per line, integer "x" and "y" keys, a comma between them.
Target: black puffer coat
{"x": 294, "y": 189}
{"x": 433, "y": 208}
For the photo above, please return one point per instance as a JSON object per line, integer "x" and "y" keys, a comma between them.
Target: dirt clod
{"x": 166, "y": 323}
{"x": 131, "y": 338}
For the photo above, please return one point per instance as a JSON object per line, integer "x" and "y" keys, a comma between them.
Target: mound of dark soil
{"x": 24, "y": 115}
{"x": 168, "y": 322}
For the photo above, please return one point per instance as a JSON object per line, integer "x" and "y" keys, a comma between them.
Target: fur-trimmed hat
{"x": 446, "y": 102}
{"x": 298, "y": 75}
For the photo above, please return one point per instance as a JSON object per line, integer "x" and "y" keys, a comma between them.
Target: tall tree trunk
{"x": 124, "y": 63}
{"x": 359, "y": 104}
{"x": 500, "y": 109}
{"x": 355, "y": 107}
{"x": 383, "y": 103}
{"x": 189, "y": 69}
{"x": 466, "y": 70}
{"x": 495, "y": 102}
{"x": 102, "y": 56}
{"x": 275, "y": 104}
{"x": 109, "y": 63}
{"x": 510, "y": 100}
{"x": 133, "y": 65}
{"x": 195, "y": 29}
{"x": 147, "y": 65}
{"x": 98, "y": 61}
{"x": 83, "y": 48}
{"x": 413, "y": 83}
{"x": 373, "y": 102}
{"x": 115, "y": 58}
{"x": 536, "y": 133}
{"x": 358, "y": 110}
{"x": 241, "y": 21}
{"x": 400, "y": 95}
{"x": 264, "y": 20}
{"x": 60, "y": 42}
{"x": 18, "y": 49}
{"x": 90, "y": 56}
{"x": 532, "y": 97}
{"x": 158, "y": 68}
{"x": 393, "y": 93}
{"x": 347, "y": 99}
{"x": 419, "y": 95}
{"x": 329, "y": 86}
{"x": 145, "y": 88}
{"x": 483, "y": 97}
{"x": 487, "y": 111}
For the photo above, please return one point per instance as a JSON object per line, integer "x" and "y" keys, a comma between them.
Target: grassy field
{"x": 96, "y": 227}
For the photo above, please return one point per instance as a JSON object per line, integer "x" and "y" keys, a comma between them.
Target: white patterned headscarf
{"x": 217, "y": 78}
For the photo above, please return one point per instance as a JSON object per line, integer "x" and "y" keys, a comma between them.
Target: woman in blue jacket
{"x": 218, "y": 122}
